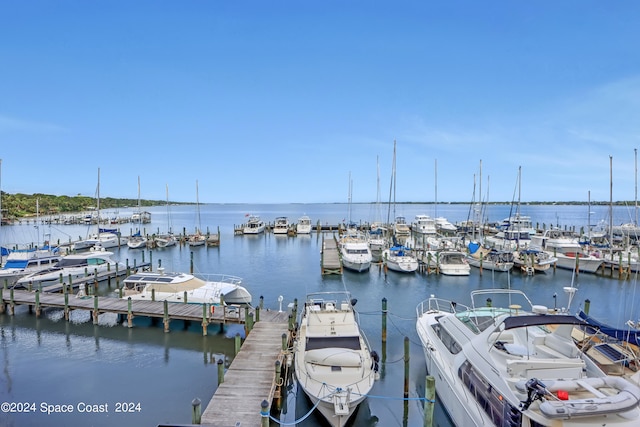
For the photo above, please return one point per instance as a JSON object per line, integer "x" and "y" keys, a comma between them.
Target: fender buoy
{"x": 213, "y": 309}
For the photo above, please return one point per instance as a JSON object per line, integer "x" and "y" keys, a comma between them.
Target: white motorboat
{"x": 173, "y": 287}
{"x": 355, "y": 252}
{"x": 254, "y": 225}
{"x": 506, "y": 362}
{"x": 74, "y": 266}
{"x": 424, "y": 224}
{"x": 453, "y": 263}
{"x": 445, "y": 227}
{"x": 334, "y": 364}
{"x": 489, "y": 258}
{"x": 533, "y": 261}
{"x": 304, "y": 225}
{"x": 400, "y": 259}
{"x": 21, "y": 262}
{"x": 105, "y": 239}
{"x": 567, "y": 249}
{"x": 401, "y": 228}
{"x": 281, "y": 225}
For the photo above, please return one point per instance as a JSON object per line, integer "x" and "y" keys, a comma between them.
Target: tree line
{"x": 22, "y": 205}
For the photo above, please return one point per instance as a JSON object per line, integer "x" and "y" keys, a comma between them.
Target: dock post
{"x": 196, "y": 413}
{"x": 250, "y": 323}
{"x": 95, "y": 309}
{"x": 278, "y": 391}
{"x": 587, "y": 306}
{"x": 38, "y": 310}
{"x": 257, "y": 313}
{"x": 129, "y": 313}
{"x": 204, "y": 319}
{"x": 150, "y": 259}
{"x": 264, "y": 413}
{"x": 191, "y": 263}
{"x": 153, "y": 294}
{"x": 406, "y": 367}
{"x": 284, "y": 341}
{"x": 12, "y": 303}
{"x": 238, "y": 343}
{"x": 261, "y": 301}
{"x": 220, "y": 371}
{"x": 384, "y": 320}
{"x": 2, "y": 306}
{"x": 429, "y": 400}
{"x": 185, "y": 297}
{"x": 66, "y": 304}
{"x": 166, "y": 316}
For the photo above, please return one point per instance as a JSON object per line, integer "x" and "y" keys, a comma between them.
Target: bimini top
{"x": 541, "y": 319}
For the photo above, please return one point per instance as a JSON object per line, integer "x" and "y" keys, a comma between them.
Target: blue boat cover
{"x": 629, "y": 335}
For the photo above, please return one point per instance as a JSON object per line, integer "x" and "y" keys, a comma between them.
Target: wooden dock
{"x": 205, "y": 314}
{"x": 252, "y": 377}
{"x": 330, "y": 257}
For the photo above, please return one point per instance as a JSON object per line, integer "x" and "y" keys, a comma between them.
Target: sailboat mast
{"x": 435, "y": 181}
{"x": 635, "y": 155}
{"x": 611, "y": 201}
{"x": 198, "y": 207}
{"x": 392, "y": 186}
{"x": 98, "y": 200}
{"x": 349, "y": 199}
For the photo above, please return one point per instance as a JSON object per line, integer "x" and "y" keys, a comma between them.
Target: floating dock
{"x": 330, "y": 257}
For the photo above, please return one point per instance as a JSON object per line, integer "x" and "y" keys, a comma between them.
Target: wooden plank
{"x": 249, "y": 380}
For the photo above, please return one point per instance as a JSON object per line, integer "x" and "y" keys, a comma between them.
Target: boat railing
{"x": 439, "y": 304}
{"x": 223, "y": 278}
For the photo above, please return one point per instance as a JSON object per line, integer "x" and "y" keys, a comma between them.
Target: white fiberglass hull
{"x": 585, "y": 264}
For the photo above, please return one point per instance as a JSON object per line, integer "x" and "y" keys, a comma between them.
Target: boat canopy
{"x": 630, "y": 335}
{"x": 16, "y": 263}
{"x": 540, "y": 320}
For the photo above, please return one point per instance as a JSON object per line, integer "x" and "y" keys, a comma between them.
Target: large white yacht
{"x": 505, "y": 362}
{"x": 334, "y": 364}
{"x": 354, "y": 251}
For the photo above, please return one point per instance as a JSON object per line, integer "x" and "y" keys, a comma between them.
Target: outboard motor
{"x": 536, "y": 390}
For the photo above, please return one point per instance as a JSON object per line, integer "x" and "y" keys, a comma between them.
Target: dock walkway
{"x": 330, "y": 260}
{"x": 251, "y": 378}
{"x": 130, "y": 308}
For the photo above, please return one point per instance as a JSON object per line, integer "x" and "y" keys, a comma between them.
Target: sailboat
{"x": 137, "y": 240}
{"x": 197, "y": 238}
{"x": 168, "y": 239}
{"x": 104, "y": 238}
{"x": 355, "y": 253}
{"x": 487, "y": 257}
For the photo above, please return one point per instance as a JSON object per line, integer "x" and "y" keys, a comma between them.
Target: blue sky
{"x": 282, "y": 101}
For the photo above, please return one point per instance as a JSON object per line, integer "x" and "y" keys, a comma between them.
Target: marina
{"x": 276, "y": 269}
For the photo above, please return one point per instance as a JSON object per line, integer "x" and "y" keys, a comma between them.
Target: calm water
{"x": 48, "y": 361}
